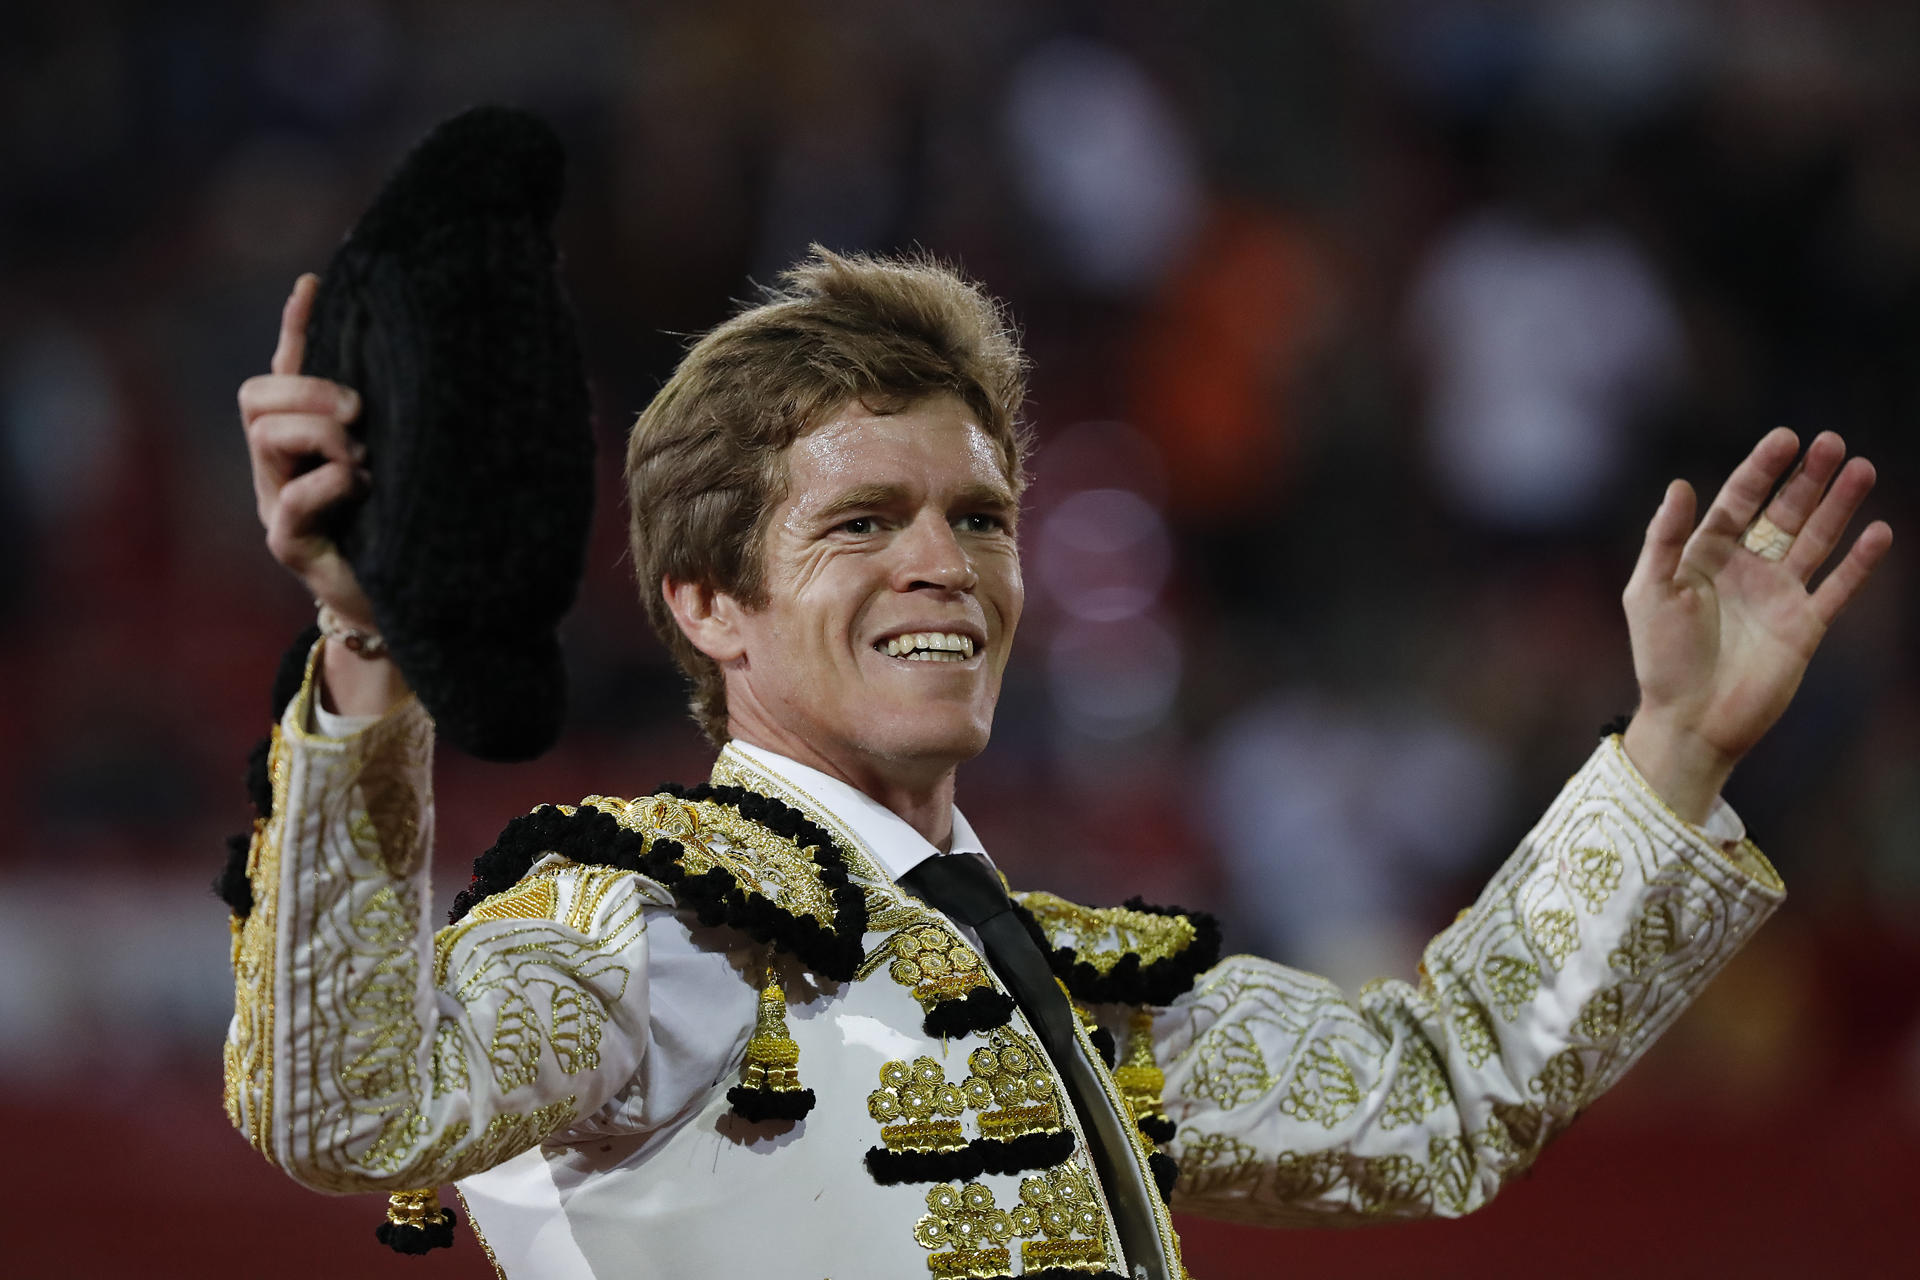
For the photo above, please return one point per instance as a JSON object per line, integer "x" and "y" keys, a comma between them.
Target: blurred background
{"x": 1366, "y": 336}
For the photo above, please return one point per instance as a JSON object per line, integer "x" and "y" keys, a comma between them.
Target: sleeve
{"x": 1296, "y": 1105}
{"x": 366, "y": 1052}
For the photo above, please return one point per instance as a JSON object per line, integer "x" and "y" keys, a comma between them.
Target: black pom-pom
{"x": 231, "y": 886}
{"x": 982, "y": 1009}
{"x": 759, "y": 1105}
{"x": 1158, "y": 1129}
{"x": 1103, "y": 1042}
{"x": 1616, "y": 725}
{"x": 418, "y": 1240}
{"x": 963, "y": 1164}
{"x": 1165, "y": 1171}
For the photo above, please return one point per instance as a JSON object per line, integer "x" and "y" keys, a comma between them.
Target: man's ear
{"x": 709, "y": 618}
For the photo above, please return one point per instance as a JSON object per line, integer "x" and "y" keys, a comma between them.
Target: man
{"x": 764, "y": 1027}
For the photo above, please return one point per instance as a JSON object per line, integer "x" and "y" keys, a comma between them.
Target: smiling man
{"x": 788, "y": 1023}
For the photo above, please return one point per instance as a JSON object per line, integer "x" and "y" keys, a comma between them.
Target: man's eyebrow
{"x": 871, "y": 496}
{"x": 989, "y": 495}
{"x": 861, "y": 495}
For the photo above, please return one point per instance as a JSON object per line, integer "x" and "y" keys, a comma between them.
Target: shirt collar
{"x": 895, "y": 845}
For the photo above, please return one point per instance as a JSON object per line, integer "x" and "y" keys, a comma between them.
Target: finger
{"x": 294, "y": 533}
{"x": 1828, "y": 523}
{"x": 285, "y": 442}
{"x": 292, "y": 347}
{"x": 1738, "y": 501}
{"x": 1666, "y": 537}
{"x": 1797, "y": 498}
{"x": 294, "y": 393}
{"x": 1851, "y": 573}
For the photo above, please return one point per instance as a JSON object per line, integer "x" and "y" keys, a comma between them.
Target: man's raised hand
{"x": 1722, "y": 633}
{"x": 305, "y": 461}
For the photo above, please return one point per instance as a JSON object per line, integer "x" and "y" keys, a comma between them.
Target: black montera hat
{"x": 443, "y": 308}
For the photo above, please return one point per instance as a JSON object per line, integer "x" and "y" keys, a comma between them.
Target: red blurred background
{"x": 1365, "y": 339}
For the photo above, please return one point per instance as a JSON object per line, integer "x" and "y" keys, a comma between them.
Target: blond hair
{"x": 706, "y": 460}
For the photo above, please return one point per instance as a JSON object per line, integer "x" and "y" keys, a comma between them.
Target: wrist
{"x": 1684, "y": 769}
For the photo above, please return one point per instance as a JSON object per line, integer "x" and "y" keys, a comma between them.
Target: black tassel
{"x": 1166, "y": 1170}
{"x": 982, "y": 1009}
{"x": 1616, "y": 725}
{"x": 416, "y": 1223}
{"x": 757, "y": 1105}
{"x": 232, "y": 886}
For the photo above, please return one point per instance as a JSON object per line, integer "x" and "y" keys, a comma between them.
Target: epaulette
{"x": 1131, "y": 954}
{"x": 731, "y": 856}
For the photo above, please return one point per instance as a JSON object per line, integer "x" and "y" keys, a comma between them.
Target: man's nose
{"x": 931, "y": 557}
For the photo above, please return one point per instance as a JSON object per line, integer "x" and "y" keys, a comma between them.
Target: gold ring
{"x": 1766, "y": 539}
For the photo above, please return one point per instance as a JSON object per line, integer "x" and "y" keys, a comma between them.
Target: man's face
{"x": 893, "y": 584}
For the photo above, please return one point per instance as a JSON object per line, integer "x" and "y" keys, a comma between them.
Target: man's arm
{"x": 1296, "y": 1104}
{"x": 369, "y": 1053}
{"x": 1613, "y": 914}
{"x": 366, "y": 1053}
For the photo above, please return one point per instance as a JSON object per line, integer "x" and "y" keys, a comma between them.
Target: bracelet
{"x": 365, "y": 644}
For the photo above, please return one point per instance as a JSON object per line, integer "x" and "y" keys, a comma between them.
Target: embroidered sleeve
{"x": 1296, "y": 1105}
{"x": 368, "y": 1054}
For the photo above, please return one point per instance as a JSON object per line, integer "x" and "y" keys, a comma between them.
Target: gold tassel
{"x": 1141, "y": 1082}
{"x": 769, "y": 1087}
{"x": 773, "y": 1058}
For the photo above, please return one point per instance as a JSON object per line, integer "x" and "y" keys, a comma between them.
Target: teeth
{"x": 930, "y": 646}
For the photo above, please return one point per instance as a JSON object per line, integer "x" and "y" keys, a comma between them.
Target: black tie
{"x": 966, "y": 888}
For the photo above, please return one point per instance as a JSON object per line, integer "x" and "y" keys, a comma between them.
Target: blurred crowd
{"x": 1365, "y": 338}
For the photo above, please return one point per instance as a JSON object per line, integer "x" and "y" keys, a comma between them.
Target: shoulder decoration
{"x": 1132, "y": 954}
{"x": 729, "y": 855}
{"x": 948, "y": 978}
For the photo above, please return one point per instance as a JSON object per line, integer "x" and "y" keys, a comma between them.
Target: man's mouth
{"x": 927, "y": 646}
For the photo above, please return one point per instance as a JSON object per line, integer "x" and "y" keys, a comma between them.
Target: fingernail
{"x": 358, "y": 451}
{"x": 349, "y": 402}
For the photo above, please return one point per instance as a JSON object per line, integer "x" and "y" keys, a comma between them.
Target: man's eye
{"x": 981, "y": 522}
{"x": 859, "y": 524}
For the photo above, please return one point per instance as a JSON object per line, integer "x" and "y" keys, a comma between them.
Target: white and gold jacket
{"x": 704, "y": 1034}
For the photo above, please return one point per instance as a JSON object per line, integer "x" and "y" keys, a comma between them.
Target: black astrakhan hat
{"x": 444, "y": 309}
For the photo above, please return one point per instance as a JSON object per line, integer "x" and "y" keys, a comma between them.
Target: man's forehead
{"x": 930, "y": 445}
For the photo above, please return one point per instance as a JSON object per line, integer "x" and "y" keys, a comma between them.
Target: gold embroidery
{"x": 965, "y": 1223}
{"x": 1512, "y": 983}
{"x": 914, "y": 1095}
{"x": 532, "y": 899}
{"x": 1648, "y": 940}
{"x": 1010, "y": 1075}
{"x": 929, "y": 960}
{"x": 514, "y": 1052}
{"x": 508, "y": 1135}
{"x": 247, "y": 1057}
{"x": 449, "y": 1059}
{"x": 1418, "y": 1088}
{"x": 1596, "y": 874}
{"x": 575, "y": 1038}
{"x": 1101, "y": 936}
{"x": 1141, "y": 1082}
{"x": 1473, "y": 1032}
{"x": 1554, "y": 931}
{"x": 1323, "y": 1088}
{"x": 1052, "y": 1208}
{"x": 1230, "y": 1068}
{"x": 1603, "y": 1017}
{"x": 714, "y": 836}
